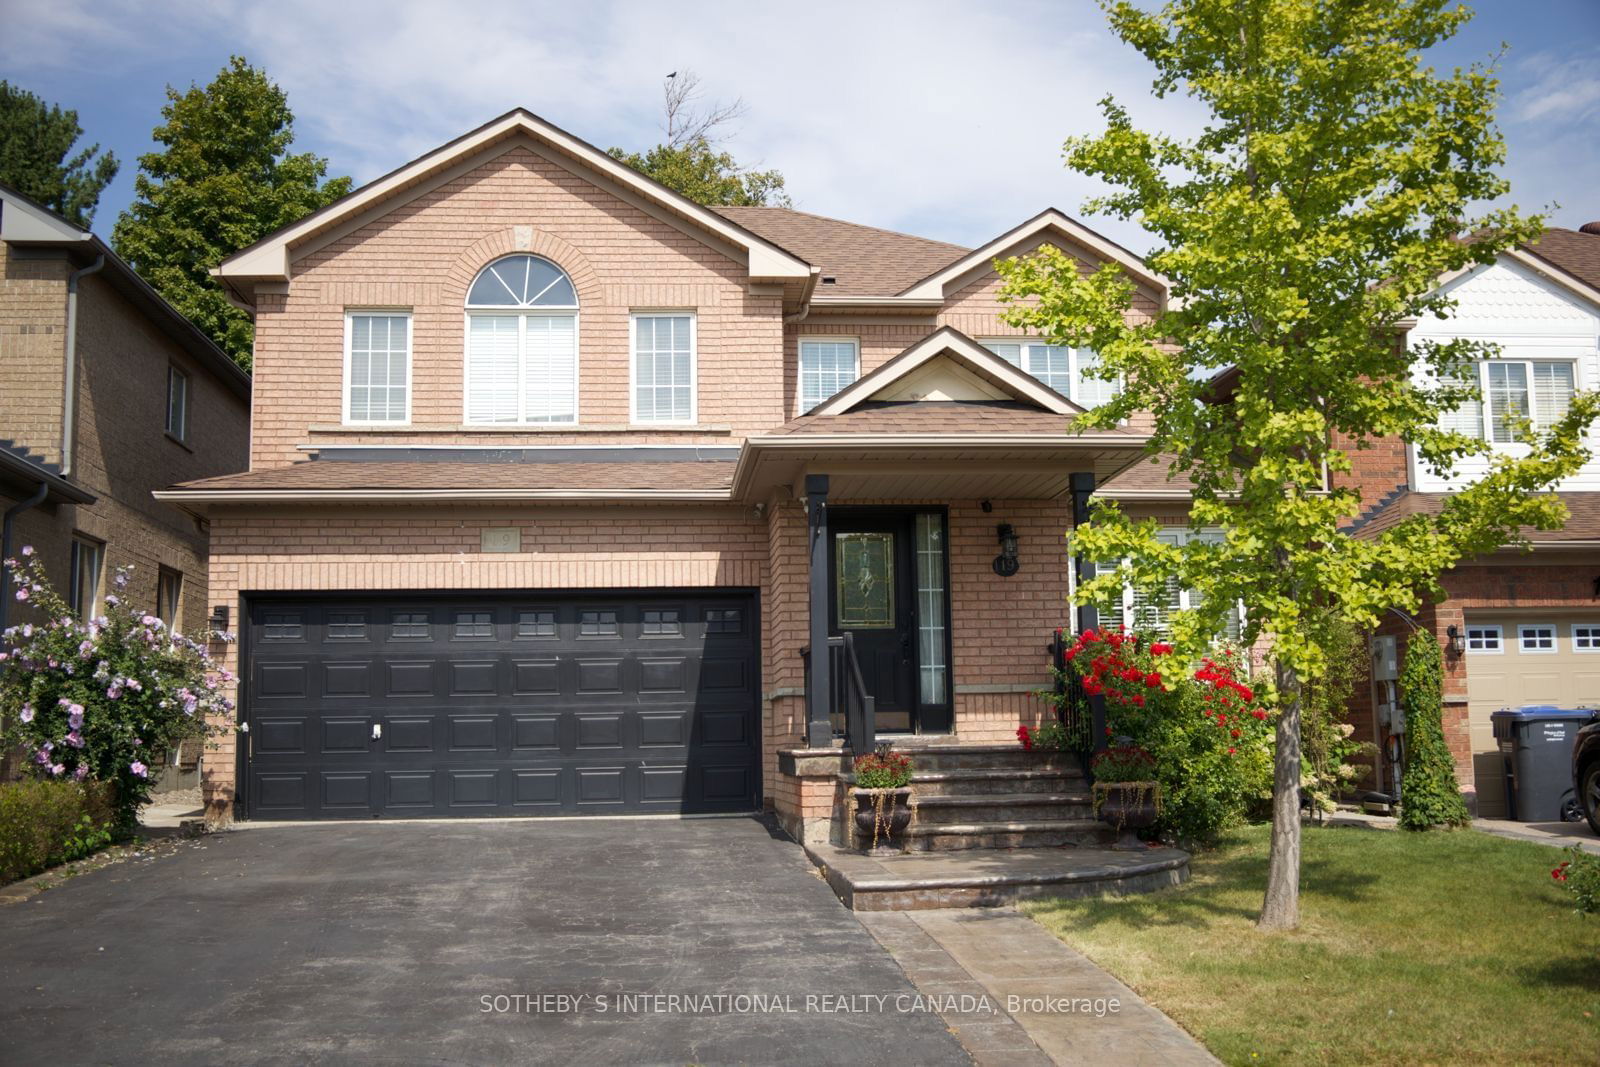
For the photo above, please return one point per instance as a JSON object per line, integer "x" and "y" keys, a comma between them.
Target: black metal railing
{"x": 1075, "y": 709}
{"x": 851, "y": 708}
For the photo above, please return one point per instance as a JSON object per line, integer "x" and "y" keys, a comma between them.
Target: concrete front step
{"x": 934, "y": 810}
{"x": 948, "y": 757}
{"x": 977, "y": 782}
{"x": 950, "y": 837}
{"x": 915, "y": 881}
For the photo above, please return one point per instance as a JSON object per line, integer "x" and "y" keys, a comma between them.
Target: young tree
{"x": 224, "y": 180}
{"x": 690, "y": 162}
{"x": 1300, "y": 230}
{"x": 35, "y": 138}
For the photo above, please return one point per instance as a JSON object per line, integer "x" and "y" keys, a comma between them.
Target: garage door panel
{"x": 342, "y": 735}
{"x": 1563, "y": 676}
{"x": 409, "y": 678}
{"x": 511, "y": 705}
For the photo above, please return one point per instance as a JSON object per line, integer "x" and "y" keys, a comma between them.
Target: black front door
{"x": 873, "y": 598}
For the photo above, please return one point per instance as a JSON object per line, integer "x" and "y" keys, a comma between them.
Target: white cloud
{"x": 940, "y": 117}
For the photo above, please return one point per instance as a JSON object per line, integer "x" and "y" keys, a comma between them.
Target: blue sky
{"x": 943, "y": 119}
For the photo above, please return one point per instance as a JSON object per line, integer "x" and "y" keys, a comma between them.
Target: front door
{"x": 887, "y": 576}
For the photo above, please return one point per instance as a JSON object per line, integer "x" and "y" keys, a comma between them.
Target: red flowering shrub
{"x": 1579, "y": 875}
{"x": 1209, "y": 736}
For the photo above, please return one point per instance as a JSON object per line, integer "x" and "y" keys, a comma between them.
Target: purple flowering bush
{"x": 97, "y": 700}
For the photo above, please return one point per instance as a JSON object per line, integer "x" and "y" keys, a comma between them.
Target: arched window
{"x": 522, "y": 344}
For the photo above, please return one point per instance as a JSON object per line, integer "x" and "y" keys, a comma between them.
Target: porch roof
{"x": 933, "y": 450}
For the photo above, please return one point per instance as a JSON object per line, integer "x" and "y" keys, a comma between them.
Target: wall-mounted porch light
{"x": 1005, "y": 564}
{"x": 1458, "y": 643}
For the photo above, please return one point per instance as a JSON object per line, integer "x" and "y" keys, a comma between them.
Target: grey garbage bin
{"x": 1536, "y": 742}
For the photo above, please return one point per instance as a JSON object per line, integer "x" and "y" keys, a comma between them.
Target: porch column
{"x": 1082, "y": 484}
{"x": 819, "y": 727}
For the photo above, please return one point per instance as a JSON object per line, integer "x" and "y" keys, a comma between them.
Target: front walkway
{"x": 1058, "y": 1006}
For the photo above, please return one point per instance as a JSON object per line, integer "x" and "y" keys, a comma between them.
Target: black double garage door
{"x": 532, "y": 705}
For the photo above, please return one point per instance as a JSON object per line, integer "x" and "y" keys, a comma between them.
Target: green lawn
{"x": 1431, "y": 948}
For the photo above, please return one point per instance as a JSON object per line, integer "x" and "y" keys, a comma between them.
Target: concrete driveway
{"x": 387, "y": 942}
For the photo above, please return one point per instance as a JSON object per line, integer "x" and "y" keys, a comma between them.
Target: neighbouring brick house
{"x": 1517, "y": 627}
{"x": 554, "y": 473}
{"x": 106, "y": 393}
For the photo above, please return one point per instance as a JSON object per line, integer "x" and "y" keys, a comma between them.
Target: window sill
{"x": 180, "y": 442}
{"x": 524, "y": 430}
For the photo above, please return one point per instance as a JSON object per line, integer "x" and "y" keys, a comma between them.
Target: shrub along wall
{"x": 44, "y": 823}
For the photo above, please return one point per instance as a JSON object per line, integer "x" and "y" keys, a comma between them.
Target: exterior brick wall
{"x": 33, "y": 315}
{"x": 424, "y": 256}
{"x": 122, "y": 451}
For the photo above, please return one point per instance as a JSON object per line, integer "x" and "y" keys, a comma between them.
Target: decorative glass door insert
{"x": 865, "y": 595}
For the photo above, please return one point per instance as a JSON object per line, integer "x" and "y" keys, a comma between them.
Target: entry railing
{"x": 849, "y": 703}
{"x": 1074, "y": 708}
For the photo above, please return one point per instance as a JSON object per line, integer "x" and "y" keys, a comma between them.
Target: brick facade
{"x": 122, "y": 450}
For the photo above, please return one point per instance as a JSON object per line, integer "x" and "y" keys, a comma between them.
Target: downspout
{"x": 5, "y": 545}
{"x": 69, "y": 392}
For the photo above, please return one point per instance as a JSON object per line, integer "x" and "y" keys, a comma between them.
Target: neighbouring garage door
{"x": 1552, "y": 658}
{"x": 534, "y": 705}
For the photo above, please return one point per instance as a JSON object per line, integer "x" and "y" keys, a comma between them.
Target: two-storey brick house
{"x": 554, "y": 473}
{"x": 106, "y": 393}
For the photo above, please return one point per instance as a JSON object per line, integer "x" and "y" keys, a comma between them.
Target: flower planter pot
{"x": 881, "y": 816}
{"x": 1127, "y": 807}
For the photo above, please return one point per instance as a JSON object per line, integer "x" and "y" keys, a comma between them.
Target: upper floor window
{"x": 664, "y": 368}
{"x": 177, "y": 403}
{"x": 377, "y": 366}
{"x": 827, "y": 365}
{"x": 1513, "y": 390}
{"x": 522, "y": 344}
{"x": 1058, "y": 366}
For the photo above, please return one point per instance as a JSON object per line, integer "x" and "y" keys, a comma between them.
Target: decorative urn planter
{"x": 1127, "y": 807}
{"x": 881, "y": 816}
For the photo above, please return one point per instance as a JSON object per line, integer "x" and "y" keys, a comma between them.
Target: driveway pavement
{"x": 381, "y": 942}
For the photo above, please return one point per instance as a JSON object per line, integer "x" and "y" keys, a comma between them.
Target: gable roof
{"x": 1572, "y": 251}
{"x": 24, "y": 221}
{"x": 269, "y": 258}
{"x": 949, "y": 343}
{"x": 1046, "y": 222}
{"x": 862, "y": 260}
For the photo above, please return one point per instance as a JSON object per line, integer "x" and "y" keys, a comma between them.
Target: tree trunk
{"x": 1281, "y": 909}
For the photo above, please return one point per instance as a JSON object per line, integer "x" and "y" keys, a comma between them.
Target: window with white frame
{"x": 1586, "y": 637}
{"x": 377, "y": 366}
{"x": 827, "y": 365}
{"x": 1058, "y": 366}
{"x": 522, "y": 344}
{"x": 1512, "y": 390}
{"x": 1536, "y": 637}
{"x": 664, "y": 367}
{"x": 177, "y": 403}
{"x": 83, "y": 588}
{"x": 1151, "y": 611}
{"x": 1484, "y": 639}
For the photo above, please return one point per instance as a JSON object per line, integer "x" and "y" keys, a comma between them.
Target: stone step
{"x": 966, "y": 782}
{"x": 986, "y": 757}
{"x": 1001, "y": 808}
{"x": 908, "y": 881}
{"x": 949, "y": 837}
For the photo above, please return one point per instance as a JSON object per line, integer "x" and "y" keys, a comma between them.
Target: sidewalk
{"x": 1051, "y": 1004}
{"x": 1554, "y": 834}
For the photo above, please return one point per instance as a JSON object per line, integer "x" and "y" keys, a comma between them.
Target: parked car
{"x": 1586, "y": 773}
